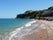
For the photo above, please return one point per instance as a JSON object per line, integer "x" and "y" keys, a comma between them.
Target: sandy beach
{"x": 35, "y": 30}
{"x": 43, "y": 32}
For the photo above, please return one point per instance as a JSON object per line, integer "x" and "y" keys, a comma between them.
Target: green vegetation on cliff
{"x": 36, "y": 14}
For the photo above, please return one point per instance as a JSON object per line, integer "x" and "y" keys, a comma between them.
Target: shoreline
{"x": 33, "y": 30}
{"x": 32, "y": 23}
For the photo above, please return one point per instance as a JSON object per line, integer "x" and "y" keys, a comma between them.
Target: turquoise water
{"x": 8, "y": 25}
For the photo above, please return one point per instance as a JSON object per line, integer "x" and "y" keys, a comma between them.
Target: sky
{"x": 10, "y": 8}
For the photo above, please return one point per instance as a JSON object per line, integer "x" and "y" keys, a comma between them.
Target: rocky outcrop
{"x": 48, "y": 14}
{"x": 37, "y": 14}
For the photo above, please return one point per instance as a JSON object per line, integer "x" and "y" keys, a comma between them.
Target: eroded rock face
{"x": 48, "y": 14}
{"x": 30, "y": 14}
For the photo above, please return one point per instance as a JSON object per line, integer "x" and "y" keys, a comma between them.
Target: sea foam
{"x": 20, "y": 31}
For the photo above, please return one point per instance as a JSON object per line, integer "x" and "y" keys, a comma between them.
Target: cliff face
{"x": 37, "y": 14}
{"x": 48, "y": 14}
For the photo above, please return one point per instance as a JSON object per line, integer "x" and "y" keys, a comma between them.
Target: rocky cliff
{"x": 37, "y": 14}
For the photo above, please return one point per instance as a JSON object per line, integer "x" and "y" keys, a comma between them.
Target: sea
{"x": 7, "y": 27}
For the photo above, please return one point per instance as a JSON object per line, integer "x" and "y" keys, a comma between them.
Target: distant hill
{"x": 30, "y": 14}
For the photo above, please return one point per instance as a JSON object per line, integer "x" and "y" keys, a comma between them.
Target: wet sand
{"x": 44, "y": 31}
{"x": 42, "y": 34}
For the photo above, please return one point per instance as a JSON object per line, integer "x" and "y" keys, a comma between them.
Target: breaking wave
{"x": 19, "y": 33}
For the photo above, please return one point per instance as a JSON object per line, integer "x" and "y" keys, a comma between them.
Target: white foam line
{"x": 14, "y": 33}
{"x": 19, "y": 29}
{"x": 29, "y": 24}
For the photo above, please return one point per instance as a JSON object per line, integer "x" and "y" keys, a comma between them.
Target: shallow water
{"x": 8, "y": 25}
